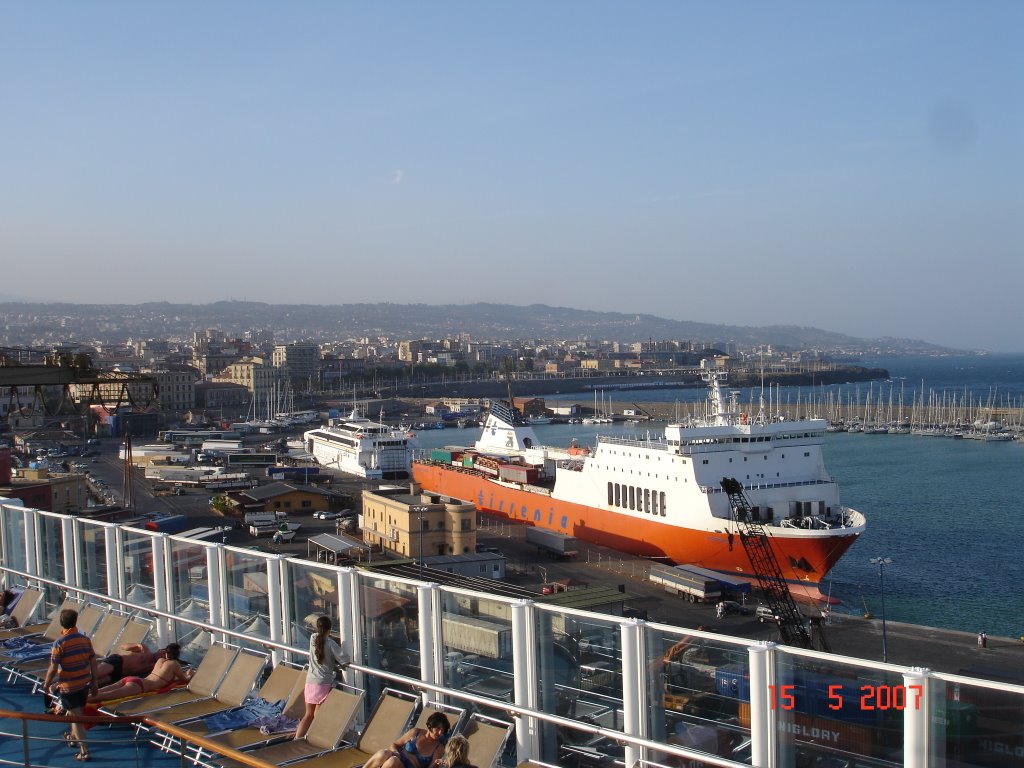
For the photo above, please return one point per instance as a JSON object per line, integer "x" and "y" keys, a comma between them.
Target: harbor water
{"x": 948, "y": 513}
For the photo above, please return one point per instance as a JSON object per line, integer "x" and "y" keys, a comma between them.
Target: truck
{"x": 282, "y": 532}
{"x": 229, "y": 481}
{"x": 190, "y": 475}
{"x": 687, "y": 581}
{"x": 264, "y": 517}
{"x": 553, "y": 543}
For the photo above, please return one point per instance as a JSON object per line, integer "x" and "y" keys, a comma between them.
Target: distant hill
{"x": 482, "y": 320}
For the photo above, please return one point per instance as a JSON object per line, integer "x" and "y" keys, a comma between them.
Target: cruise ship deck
{"x": 564, "y": 686}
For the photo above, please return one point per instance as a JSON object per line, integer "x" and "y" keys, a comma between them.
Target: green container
{"x": 961, "y": 720}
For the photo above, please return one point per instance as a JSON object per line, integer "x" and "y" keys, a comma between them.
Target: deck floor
{"x": 108, "y": 745}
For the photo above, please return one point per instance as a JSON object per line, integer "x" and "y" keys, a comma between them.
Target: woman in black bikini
{"x": 166, "y": 671}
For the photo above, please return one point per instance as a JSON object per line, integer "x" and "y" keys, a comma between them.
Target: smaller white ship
{"x": 360, "y": 446}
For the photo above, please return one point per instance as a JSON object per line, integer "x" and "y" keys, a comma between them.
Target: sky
{"x": 856, "y": 167}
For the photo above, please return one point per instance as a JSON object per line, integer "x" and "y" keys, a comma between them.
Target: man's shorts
{"x": 74, "y": 699}
{"x": 116, "y": 662}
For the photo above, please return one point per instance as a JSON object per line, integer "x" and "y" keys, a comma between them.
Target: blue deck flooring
{"x": 108, "y": 745}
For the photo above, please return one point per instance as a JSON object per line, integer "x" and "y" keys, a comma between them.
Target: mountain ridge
{"x": 483, "y": 320}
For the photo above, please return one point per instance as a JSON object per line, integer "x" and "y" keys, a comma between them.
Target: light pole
{"x": 881, "y": 562}
{"x": 419, "y": 510}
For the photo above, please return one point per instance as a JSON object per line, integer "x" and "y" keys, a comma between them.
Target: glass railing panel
{"x": 136, "y": 561}
{"x": 390, "y": 629}
{"x": 581, "y": 678}
{"x": 189, "y": 597}
{"x": 51, "y": 550}
{"x": 14, "y": 535}
{"x": 313, "y": 592}
{"x": 476, "y": 638}
{"x": 973, "y": 724}
{"x": 698, "y": 686}
{"x": 247, "y": 598}
{"x": 832, "y": 713}
{"x": 93, "y": 556}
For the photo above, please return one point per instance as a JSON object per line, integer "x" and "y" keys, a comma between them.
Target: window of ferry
{"x": 647, "y": 500}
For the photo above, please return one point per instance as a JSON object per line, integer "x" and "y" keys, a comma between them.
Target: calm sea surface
{"x": 949, "y": 513}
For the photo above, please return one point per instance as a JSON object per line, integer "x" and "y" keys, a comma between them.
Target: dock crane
{"x": 792, "y": 626}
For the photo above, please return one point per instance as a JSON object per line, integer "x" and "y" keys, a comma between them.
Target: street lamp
{"x": 881, "y": 562}
{"x": 419, "y": 510}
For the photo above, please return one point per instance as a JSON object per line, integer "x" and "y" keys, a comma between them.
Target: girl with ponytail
{"x": 325, "y": 657}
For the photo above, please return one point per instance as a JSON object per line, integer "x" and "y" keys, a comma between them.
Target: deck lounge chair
{"x": 203, "y": 685}
{"x": 34, "y": 670}
{"x": 332, "y": 720}
{"x": 389, "y": 720}
{"x": 285, "y": 683}
{"x": 103, "y": 637}
{"x": 106, "y": 633}
{"x": 45, "y": 632}
{"x": 24, "y": 608}
{"x": 487, "y": 739}
{"x": 288, "y": 679}
{"x": 455, "y": 715}
{"x": 237, "y": 684}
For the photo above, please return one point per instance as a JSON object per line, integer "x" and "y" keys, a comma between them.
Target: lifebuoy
{"x": 743, "y": 418}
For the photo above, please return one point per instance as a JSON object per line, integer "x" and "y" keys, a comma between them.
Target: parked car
{"x": 765, "y": 613}
{"x": 325, "y": 514}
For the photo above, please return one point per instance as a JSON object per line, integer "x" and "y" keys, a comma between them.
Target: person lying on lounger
{"x": 165, "y": 672}
{"x": 134, "y": 659}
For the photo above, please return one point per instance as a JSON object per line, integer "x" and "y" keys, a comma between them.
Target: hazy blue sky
{"x": 852, "y": 166}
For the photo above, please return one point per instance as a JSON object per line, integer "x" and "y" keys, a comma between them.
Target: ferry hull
{"x": 804, "y": 558}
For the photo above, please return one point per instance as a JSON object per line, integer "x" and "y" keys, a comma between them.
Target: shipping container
{"x": 487, "y": 464}
{"x": 478, "y": 636}
{"x": 733, "y": 681}
{"x": 799, "y": 729}
{"x": 996, "y": 717}
{"x": 518, "y": 473}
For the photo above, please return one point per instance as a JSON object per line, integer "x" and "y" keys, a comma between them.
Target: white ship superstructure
{"x": 362, "y": 447}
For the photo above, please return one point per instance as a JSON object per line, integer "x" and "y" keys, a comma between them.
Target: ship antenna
{"x": 760, "y": 402}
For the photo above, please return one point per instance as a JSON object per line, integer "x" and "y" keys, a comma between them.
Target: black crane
{"x": 792, "y": 626}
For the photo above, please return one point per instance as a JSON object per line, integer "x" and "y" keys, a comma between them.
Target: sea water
{"x": 948, "y": 513}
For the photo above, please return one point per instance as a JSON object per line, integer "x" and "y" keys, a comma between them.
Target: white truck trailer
{"x": 687, "y": 581}
{"x": 553, "y": 543}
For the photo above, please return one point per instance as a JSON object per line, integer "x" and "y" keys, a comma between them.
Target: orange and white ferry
{"x": 662, "y": 497}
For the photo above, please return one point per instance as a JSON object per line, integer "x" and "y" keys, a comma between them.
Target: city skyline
{"x": 851, "y": 168}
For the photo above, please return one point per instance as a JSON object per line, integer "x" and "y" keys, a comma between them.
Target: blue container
{"x": 733, "y": 681}
{"x": 845, "y": 702}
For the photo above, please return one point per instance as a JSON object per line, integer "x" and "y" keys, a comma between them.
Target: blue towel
{"x": 253, "y": 710}
{"x": 40, "y": 651}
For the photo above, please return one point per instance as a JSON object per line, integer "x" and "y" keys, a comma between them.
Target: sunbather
{"x": 165, "y": 672}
